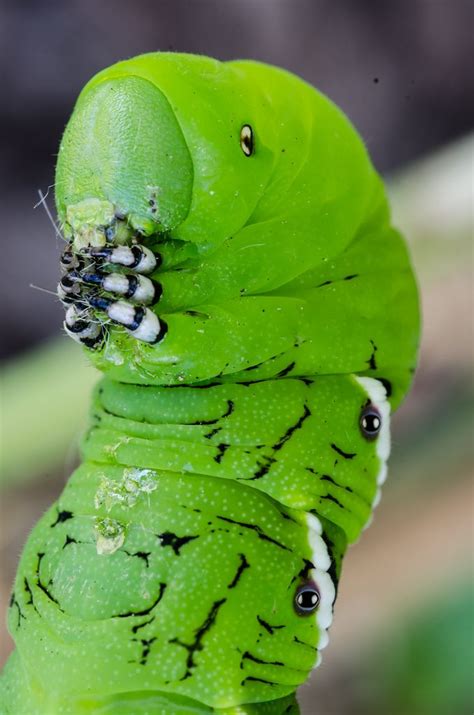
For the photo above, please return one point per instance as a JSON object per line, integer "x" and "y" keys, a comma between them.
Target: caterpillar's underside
{"x": 256, "y": 322}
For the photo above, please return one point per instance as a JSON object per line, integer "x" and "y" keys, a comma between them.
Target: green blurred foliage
{"x": 425, "y": 665}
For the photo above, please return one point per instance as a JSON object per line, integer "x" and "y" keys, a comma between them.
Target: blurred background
{"x": 402, "y": 639}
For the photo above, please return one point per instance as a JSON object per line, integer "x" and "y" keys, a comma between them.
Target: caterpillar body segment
{"x": 200, "y": 632}
{"x": 277, "y": 436}
{"x": 231, "y": 268}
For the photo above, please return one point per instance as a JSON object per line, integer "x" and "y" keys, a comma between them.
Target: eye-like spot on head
{"x": 307, "y": 598}
{"x": 370, "y": 422}
{"x": 246, "y": 140}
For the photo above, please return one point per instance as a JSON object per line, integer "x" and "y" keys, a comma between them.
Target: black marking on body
{"x": 62, "y": 516}
{"x": 144, "y": 555}
{"x": 255, "y": 659}
{"x": 264, "y": 465}
{"x": 267, "y": 461}
{"x": 255, "y": 367}
{"x": 307, "y": 567}
{"x": 308, "y": 645}
{"x": 195, "y": 386}
{"x": 30, "y": 594}
{"x": 269, "y": 628}
{"x": 304, "y": 572}
{"x": 69, "y": 540}
{"x": 221, "y": 450}
{"x": 213, "y": 432}
{"x": 244, "y": 564}
{"x": 251, "y": 678}
{"x": 196, "y": 314}
{"x": 142, "y": 625}
{"x": 167, "y": 538}
{"x": 145, "y": 611}
{"x": 229, "y": 410}
{"x": 329, "y": 497}
{"x": 346, "y": 455}
{"x": 291, "y": 430}
{"x": 213, "y": 531}
{"x": 146, "y": 647}
{"x": 222, "y": 372}
{"x": 286, "y": 516}
{"x": 258, "y": 530}
{"x": 14, "y": 602}
{"x": 371, "y": 362}
{"x": 117, "y": 415}
{"x": 286, "y": 370}
{"x": 249, "y": 383}
{"x": 42, "y": 586}
{"x": 387, "y": 384}
{"x": 330, "y": 282}
{"x": 328, "y": 478}
{"x": 199, "y": 634}
{"x": 264, "y": 362}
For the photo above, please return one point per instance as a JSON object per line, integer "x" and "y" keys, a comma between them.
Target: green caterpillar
{"x": 232, "y": 270}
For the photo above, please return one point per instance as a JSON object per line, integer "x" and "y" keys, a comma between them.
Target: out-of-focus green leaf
{"x": 426, "y": 666}
{"x": 44, "y": 398}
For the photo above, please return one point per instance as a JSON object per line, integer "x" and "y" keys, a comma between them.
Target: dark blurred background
{"x": 402, "y": 639}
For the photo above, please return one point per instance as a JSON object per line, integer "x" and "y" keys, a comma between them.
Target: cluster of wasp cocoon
{"x": 106, "y": 281}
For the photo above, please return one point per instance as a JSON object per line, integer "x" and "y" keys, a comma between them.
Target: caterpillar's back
{"x": 232, "y": 268}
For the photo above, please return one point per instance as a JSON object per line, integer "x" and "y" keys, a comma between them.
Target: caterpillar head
{"x": 203, "y": 209}
{"x": 167, "y": 142}
{"x": 137, "y": 161}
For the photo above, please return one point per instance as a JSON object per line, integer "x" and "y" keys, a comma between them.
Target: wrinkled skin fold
{"x": 231, "y": 268}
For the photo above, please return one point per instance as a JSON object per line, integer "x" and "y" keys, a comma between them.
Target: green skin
{"x": 224, "y": 466}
